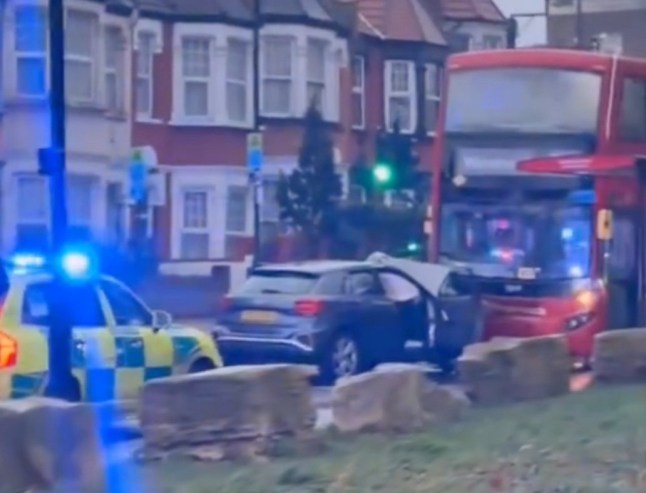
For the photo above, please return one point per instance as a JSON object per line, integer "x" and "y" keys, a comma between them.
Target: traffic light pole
{"x": 256, "y": 177}
{"x": 60, "y": 382}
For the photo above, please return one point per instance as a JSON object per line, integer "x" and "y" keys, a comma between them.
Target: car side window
{"x": 84, "y": 307}
{"x": 363, "y": 284}
{"x": 453, "y": 285}
{"x": 398, "y": 288}
{"x": 35, "y": 306}
{"x": 126, "y": 308}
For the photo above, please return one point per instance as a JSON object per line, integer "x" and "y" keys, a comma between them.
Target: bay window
{"x": 277, "y": 75}
{"x": 80, "y": 55}
{"x": 238, "y": 81}
{"x": 196, "y": 76}
{"x": 400, "y": 95}
{"x": 432, "y": 89}
{"x": 31, "y": 212}
{"x": 30, "y": 47}
{"x": 195, "y": 235}
{"x": 316, "y": 50}
{"x": 144, "y": 74}
{"x": 114, "y": 67}
{"x": 358, "y": 92}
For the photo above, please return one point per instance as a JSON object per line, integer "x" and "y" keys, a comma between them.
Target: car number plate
{"x": 258, "y": 316}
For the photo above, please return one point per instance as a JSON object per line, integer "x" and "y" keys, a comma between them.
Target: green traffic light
{"x": 383, "y": 173}
{"x": 413, "y": 247}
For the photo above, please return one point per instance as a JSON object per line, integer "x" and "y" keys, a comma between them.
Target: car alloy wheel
{"x": 345, "y": 357}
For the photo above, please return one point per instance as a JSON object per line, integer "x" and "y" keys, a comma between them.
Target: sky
{"x": 531, "y": 30}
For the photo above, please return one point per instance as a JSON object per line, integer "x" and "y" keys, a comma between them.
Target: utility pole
{"x": 52, "y": 164}
{"x": 578, "y": 21}
{"x": 256, "y": 175}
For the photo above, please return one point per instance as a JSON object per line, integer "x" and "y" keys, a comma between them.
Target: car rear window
{"x": 279, "y": 282}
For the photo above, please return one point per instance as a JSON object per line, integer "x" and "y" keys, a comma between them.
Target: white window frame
{"x": 206, "y": 229}
{"x": 410, "y": 94}
{"x": 323, "y": 97}
{"x": 153, "y": 29}
{"x": 336, "y": 57}
{"x": 31, "y": 55}
{"x": 432, "y": 99}
{"x": 91, "y": 60}
{"x": 359, "y": 90}
{"x": 488, "y": 44}
{"x": 245, "y": 228}
{"x": 291, "y": 78}
{"x": 220, "y": 35}
{"x": 19, "y": 218}
{"x": 208, "y": 80}
{"x": 117, "y": 72}
{"x": 247, "y": 120}
{"x": 145, "y": 75}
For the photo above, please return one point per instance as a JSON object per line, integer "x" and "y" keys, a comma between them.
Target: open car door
{"x": 458, "y": 319}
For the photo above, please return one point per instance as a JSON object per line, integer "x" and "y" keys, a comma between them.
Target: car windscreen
{"x": 279, "y": 282}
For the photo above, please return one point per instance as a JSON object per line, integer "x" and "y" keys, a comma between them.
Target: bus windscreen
{"x": 498, "y": 240}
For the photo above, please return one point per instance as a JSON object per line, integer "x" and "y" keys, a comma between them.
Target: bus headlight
{"x": 586, "y": 299}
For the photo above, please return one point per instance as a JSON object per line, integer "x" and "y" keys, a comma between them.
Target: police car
{"x": 118, "y": 343}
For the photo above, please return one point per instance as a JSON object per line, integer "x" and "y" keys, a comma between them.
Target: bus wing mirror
{"x": 604, "y": 225}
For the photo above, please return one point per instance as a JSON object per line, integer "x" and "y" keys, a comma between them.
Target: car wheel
{"x": 343, "y": 359}
{"x": 69, "y": 389}
{"x": 201, "y": 365}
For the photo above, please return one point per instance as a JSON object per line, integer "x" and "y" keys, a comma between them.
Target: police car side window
{"x": 35, "y": 308}
{"x": 85, "y": 309}
{"x": 126, "y": 308}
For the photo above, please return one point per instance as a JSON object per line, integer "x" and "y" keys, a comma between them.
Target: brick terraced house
{"x": 175, "y": 78}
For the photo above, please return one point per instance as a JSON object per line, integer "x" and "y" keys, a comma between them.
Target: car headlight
{"x": 578, "y": 321}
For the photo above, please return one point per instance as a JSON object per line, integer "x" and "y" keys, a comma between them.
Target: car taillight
{"x": 8, "y": 351}
{"x": 308, "y": 308}
{"x": 225, "y": 304}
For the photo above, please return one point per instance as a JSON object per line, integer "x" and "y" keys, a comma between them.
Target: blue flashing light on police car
{"x": 27, "y": 261}
{"x": 76, "y": 264}
{"x": 576, "y": 271}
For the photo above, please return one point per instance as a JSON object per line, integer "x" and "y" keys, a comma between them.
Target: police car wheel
{"x": 70, "y": 390}
{"x": 201, "y": 365}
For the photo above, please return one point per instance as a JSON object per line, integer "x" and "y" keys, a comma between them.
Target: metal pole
{"x": 61, "y": 383}
{"x": 256, "y": 177}
{"x": 579, "y": 24}
{"x": 58, "y": 141}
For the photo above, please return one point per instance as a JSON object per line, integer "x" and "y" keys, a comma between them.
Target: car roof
{"x": 30, "y": 277}
{"x": 315, "y": 266}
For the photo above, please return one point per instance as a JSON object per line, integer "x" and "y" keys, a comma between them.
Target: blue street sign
{"x": 138, "y": 181}
{"x": 254, "y": 160}
{"x": 254, "y": 152}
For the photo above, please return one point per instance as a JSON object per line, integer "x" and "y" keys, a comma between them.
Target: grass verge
{"x": 592, "y": 442}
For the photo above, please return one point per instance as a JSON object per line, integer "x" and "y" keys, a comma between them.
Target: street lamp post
{"x": 52, "y": 163}
{"x": 256, "y": 177}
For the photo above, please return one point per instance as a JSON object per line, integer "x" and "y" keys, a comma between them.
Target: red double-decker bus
{"x": 536, "y": 191}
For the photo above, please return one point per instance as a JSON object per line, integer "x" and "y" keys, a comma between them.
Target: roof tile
{"x": 398, "y": 20}
{"x": 471, "y": 10}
